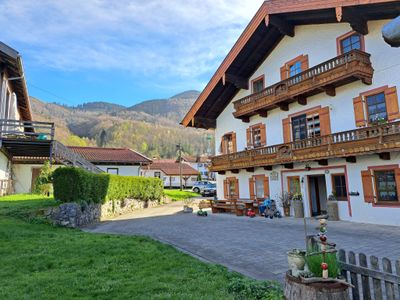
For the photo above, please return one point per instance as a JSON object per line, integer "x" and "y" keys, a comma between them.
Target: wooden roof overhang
{"x": 26, "y": 148}
{"x": 272, "y": 22}
{"x": 11, "y": 63}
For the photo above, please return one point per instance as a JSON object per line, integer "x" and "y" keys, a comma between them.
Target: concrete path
{"x": 255, "y": 247}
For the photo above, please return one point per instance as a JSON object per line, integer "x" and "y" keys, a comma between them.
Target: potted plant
{"x": 285, "y": 200}
{"x": 333, "y": 208}
{"x": 187, "y": 205}
{"x": 298, "y": 206}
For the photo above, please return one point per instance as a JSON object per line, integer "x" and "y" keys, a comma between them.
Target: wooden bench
{"x": 232, "y": 206}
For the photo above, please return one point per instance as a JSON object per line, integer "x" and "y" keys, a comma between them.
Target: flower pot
{"x": 297, "y": 261}
{"x": 298, "y": 209}
{"x": 333, "y": 211}
{"x": 187, "y": 209}
{"x": 286, "y": 211}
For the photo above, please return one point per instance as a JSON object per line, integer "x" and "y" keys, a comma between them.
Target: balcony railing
{"x": 27, "y": 130}
{"x": 328, "y": 75}
{"x": 375, "y": 139}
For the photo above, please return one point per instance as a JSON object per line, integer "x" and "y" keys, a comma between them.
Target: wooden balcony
{"x": 325, "y": 77}
{"x": 380, "y": 139}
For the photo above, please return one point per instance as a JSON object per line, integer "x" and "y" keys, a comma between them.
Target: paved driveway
{"x": 255, "y": 247}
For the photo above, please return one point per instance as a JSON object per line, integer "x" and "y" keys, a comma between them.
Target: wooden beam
{"x": 239, "y": 82}
{"x": 357, "y": 22}
{"x": 235, "y": 171}
{"x": 283, "y": 26}
{"x": 251, "y": 169}
{"x": 384, "y": 155}
{"x": 323, "y": 162}
{"x": 302, "y": 100}
{"x": 221, "y": 172}
{"x": 204, "y": 122}
{"x": 263, "y": 113}
{"x": 330, "y": 90}
{"x": 351, "y": 159}
{"x": 245, "y": 119}
{"x": 268, "y": 168}
{"x": 288, "y": 165}
{"x": 283, "y": 106}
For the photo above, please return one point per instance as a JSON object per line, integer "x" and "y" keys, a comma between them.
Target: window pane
{"x": 339, "y": 182}
{"x": 299, "y": 127}
{"x": 258, "y": 85}
{"x": 260, "y": 188}
{"x": 386, "y": 185}
{"x": 376, "y": 107}
{"x": 351, "y": 42}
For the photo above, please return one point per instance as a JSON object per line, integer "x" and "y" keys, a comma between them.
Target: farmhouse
{"x": 169, "y": 171}
{"x": 201, "y": 164}
{"x": 307, "y": 102}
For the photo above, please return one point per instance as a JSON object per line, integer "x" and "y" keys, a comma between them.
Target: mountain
{"x": 151, "y": 127}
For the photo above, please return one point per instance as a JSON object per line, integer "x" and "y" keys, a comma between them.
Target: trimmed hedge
{"x": 77, "y": 185}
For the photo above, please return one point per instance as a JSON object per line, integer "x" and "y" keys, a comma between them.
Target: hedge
{"x": 77, "y": 185}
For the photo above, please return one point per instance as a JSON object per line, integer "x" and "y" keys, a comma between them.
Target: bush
{"x": 244, "y": 288}
{"x": 77, "y": 185}
{"x": 43, "y": 183}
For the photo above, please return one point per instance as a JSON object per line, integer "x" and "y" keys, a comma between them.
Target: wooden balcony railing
{"x": 338, "y": 71}
{"x": 375, "y": 139}
{"x": 32, "y": 130}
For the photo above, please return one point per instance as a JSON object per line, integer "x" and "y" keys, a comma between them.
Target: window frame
{"x": 289, "y": 183}
{"x": 375, "y": 185}
{"x": 339, "y": 40}
{"x": 369, "y": 93}
{"x": 157, "y": 173}
{"x": 235, "y": 183}
{"x": 255, "y": 80}
{"x": 334, "y": 186}
{"x": 302, "y": 58}
{"x": 117, "y": 169}
{"x": 226, "y": 146}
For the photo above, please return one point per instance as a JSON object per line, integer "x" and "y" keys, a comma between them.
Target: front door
{"x": 317, "y": 192}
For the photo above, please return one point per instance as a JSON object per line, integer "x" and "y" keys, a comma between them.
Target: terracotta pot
{"x": 286, "y": 211}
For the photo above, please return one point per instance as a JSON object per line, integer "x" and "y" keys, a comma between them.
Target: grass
{"x": 40, "y": 261}
{"x": 178, "y": 195}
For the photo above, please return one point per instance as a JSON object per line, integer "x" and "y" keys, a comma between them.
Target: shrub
{"x": 244, "y": 288}
{"x": 77, "y": 185}
{"x": 43, "y": 183}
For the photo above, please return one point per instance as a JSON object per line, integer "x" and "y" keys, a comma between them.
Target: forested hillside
{"x": 151, "y": 127}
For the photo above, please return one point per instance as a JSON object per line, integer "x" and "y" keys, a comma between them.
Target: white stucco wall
{"x": 122, "y": 170}
{"x": 319, "y": 43}
{"x": 169, "y": 181}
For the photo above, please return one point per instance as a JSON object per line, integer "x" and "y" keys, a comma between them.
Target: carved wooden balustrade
{"x": 375, "y": 139}
{"x": 325, "y": 77}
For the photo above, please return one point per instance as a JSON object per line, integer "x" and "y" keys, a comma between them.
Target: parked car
{"x": 198, "y": 186}
{"x": 209, "y": 190}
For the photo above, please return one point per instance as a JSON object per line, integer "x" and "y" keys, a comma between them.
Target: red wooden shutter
{"x": 304, "y": 62}
{"x": 286, "y": 130}
{"x": 397, "y": 175}
{"x": 392, "y": 104}
{"x": 283, "y": 72}
{"x": 226, "y": 188}
{"x": 248, "y": 137}
{"x": 234, "y": 142}
{"x": 359, "y": 115}
{"x": 263, "y": 133}
{"x": 325, "y": 121}
{"x": 252, "y": 183}
{"x": 266, "y": 187}
{"x": 367, "y": 182}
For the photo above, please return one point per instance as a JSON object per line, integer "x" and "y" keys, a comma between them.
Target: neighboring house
{"x": 120, "y": 161}
{"x": 201, "y": 164}
{"x": 169, "y": 171}
{"x": 307, "y": 102}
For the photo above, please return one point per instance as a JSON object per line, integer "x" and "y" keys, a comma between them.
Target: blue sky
{"x": 122, "y": 51}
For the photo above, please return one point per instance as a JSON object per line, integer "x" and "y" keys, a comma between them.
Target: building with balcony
{"x": 306, "y": 102}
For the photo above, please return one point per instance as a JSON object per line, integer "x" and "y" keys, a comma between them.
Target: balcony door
{"x": 317, "y": 193}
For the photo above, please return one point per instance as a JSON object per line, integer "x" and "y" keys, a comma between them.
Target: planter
{"x": 296, "y": 261}
{"x": 187, "y": 209}
{"x": 318, "y": 289}
{"x": 286, "y": 211}
{"x": 298, "y": 209}
{"x": 333, "y": 211}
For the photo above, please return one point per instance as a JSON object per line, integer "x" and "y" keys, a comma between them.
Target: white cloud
{"x": 183, "y": 39}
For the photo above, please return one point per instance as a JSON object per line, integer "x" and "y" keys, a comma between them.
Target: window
{"x": 257, "y": 85}
{"x": 172, "y": 178}
{"x": 113, "y": 171}
{"x": 259, "y": 187}
{"x": 228, "y": 144}
{"x": 157, "y": 174}
{"x": 385, "y": 182}
{"x": 256, "y": 136}
{"x": 231, "y": 188}
{"x": 350, "y": 43}
{"x": 339, "y": 188}
{"x": 295, "y": 69}
{"x": 294, "y": 185}
{"x": 376, "y": 105}
{"x": 306, "y": 126}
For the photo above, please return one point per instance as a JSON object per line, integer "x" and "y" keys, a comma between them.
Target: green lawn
{"x": 39, "y": 261}
{"x": 178, "y": 195}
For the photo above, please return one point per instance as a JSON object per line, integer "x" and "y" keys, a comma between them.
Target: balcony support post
{"x": 245, "y": 119}
{"x": 323, "y": 162}
{"x": 263, "y": 113}
{"x": 302, "y": 100}
{"x": 384, "y": 155}
{"x": 288, "y": 166}
{"x": 251, "y": 169}
{"x": 221, "y": 172}
{"x": 283, "y": 106}
{"x": 330, "y": 90}
{"x": 268, "y": 168}
{"x": 235, "y": 171}
{"x": 351, "y": 159}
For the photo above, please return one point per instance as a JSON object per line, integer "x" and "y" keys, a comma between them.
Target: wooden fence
{"x": 371, "y": 280}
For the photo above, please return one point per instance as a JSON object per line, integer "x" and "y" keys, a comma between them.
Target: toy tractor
{"x": 202, "y": 213}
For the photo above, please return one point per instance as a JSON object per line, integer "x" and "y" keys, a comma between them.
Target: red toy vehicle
{"x": 250, "y": 213}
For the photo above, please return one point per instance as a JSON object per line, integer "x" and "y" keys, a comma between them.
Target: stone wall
{"x": 77, "y": 215}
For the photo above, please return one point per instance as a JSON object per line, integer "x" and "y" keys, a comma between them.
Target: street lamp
{"x": 179, "y": 148}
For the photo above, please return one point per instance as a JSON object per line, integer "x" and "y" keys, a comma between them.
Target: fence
{"x": 369, "y": 280}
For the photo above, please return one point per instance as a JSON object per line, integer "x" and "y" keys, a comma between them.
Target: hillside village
{"x": 280, "y": 179}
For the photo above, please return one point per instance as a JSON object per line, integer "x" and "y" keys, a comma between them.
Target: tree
{"x": 43, "y": 183}
{"x": 102, "y": 138}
